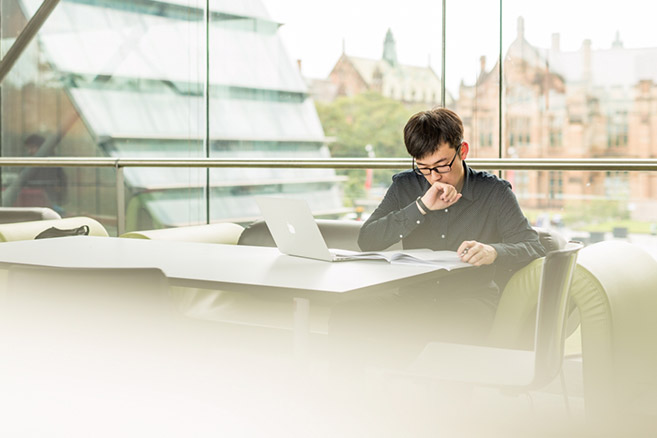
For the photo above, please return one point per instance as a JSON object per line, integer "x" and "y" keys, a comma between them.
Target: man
{"x": 45, "y": 186}
{"x": 440, "y": 204}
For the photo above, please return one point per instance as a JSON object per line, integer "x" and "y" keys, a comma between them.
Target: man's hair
{"x": 427, "y": 130}
{"x": 34, "y": 140}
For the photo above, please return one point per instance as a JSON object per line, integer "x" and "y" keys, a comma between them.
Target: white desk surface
{"x": 214, "y": 265}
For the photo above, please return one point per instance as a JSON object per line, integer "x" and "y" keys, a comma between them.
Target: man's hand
{"x": 440, "y": 196}
{"x": 476, "y": 253}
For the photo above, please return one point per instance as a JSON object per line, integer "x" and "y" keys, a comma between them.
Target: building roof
{"x": 615, "y": 66}
{"x": 611, "y": 67}
{"x": 409, "y": 75}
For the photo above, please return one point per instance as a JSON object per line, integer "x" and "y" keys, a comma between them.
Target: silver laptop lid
{"x": 293, "y": 227}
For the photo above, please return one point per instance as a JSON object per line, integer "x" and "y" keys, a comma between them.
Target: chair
{"x": 76, "y": 337}
{"x": 29, "y": 230}
{"x": 522, "y": 370}
{"x": 111, "y": 298}
{"x": 10, "y": 215}
{"x": 227, "y": 233}
{"x": 515, "y": 318}
{"x": 85, "y": 322}
{"x": 550, "y": 239}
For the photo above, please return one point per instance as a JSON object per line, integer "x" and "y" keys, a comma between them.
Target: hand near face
{"x": 476, "y": 253}
{"x": 440, "y": 195}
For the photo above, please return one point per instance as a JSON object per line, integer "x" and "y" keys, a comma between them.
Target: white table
{"x": 258, "y": 270}
{"x": 215, "y": 265}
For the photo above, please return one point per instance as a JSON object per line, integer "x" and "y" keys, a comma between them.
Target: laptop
{"x": 295, "y": 231}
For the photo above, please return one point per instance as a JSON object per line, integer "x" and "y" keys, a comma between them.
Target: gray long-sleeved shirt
{"x": 487, "y": 212}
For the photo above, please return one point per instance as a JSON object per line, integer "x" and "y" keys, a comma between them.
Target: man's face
{"x": 446, "y": 165}
{"x": 31, "y": 148}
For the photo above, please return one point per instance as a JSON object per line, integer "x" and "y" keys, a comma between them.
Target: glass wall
{"x": 281, "y": 78}
{"x": 606, "y": 207}
{"x": 104, "y": 79}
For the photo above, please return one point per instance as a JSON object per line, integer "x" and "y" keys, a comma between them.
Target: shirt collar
{"x": 468, "y": 183}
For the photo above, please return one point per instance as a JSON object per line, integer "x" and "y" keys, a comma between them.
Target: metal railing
{"x": 573, "y": 164}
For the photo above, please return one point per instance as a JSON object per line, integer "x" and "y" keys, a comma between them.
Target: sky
{"x": 314, "y": 31}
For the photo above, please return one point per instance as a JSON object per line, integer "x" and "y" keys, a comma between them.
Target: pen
{"x": 465, "y": 251}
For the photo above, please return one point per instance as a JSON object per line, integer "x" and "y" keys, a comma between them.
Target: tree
{"x": 354, "y": 122}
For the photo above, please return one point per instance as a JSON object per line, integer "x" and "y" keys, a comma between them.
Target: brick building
{"x": 587, "y": 103}
{"x": 406, "y": 83}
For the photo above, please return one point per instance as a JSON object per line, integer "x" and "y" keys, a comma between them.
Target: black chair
{"x": 338, "y": 234}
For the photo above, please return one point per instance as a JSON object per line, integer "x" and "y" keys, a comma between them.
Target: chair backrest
{"x": 226, "y": 232}
{"x": 553, "y": 294}
{"x": 120, "y": 301}
{"x": 550, "y": 239}
{"x": 339, "y": 234}
{"x": 87, "y": 325}
{"x": 29, "y": 230}
{"x": 10, "y": 215}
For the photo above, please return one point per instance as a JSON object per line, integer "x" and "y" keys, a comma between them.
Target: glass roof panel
{"x": 185, "y": 209}
{"x": 128, "y": 114}
{"x": 90, "y": 40}
{"x": 244, "y": 8}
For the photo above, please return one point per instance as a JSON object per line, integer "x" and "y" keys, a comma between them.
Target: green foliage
{"x": 595, "y": 212}
{"x": 367, "y": 118}
{"x": 354, "y": 187}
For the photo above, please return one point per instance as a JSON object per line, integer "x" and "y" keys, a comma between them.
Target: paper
{"x": 445, "y": 259}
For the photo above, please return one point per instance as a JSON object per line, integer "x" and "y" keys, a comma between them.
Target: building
{"x": 406, "y": 83}
{"x": 588, "y": 103}
{"x": 128, "y": 79}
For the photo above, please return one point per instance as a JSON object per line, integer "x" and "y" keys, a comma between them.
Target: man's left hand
{"x": 476, "y": 253}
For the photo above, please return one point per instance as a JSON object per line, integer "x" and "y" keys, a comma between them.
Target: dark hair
{"x": 427, "y": 130}
{"x": 34, "y": 140}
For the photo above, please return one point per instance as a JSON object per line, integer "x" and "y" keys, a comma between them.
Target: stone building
{"x": 406, "y": 83}
{"x": 587, "y": 103}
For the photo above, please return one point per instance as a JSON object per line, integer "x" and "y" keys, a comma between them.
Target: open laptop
{"x": 295, "y": 231}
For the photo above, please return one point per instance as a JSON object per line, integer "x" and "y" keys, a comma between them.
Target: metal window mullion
{"x": 120, "y": 199}
{"x": 207, "y": 109}
{"x": 25, "y": 37}
{"x": 500, "y": 93}
{"x": 443, "y": 98}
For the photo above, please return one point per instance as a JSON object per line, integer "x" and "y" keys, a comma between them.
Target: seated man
{"x": 443, "y": 204}
{"x": 45, "y": 186}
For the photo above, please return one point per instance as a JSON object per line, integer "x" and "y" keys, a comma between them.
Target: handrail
{"x": 595, "y": 164}
{"x": 568, "y": 164}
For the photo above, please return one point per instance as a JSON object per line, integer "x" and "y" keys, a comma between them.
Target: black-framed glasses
{"x": 445, "y": 168}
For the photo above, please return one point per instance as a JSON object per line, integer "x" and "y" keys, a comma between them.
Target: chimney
{"x": 586, "y": 61}
{"x": 299, "y": 65}
{"x": 555, "y": 42}
{"x": 521, "y": 28}
{"x": 617, "y": 44}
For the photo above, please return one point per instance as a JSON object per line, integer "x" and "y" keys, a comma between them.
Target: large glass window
{"x": 284, "y": 79}
{"x": 591, "y": 206}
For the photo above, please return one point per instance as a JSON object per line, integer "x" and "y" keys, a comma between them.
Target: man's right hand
{"x": 440, "y": 196}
